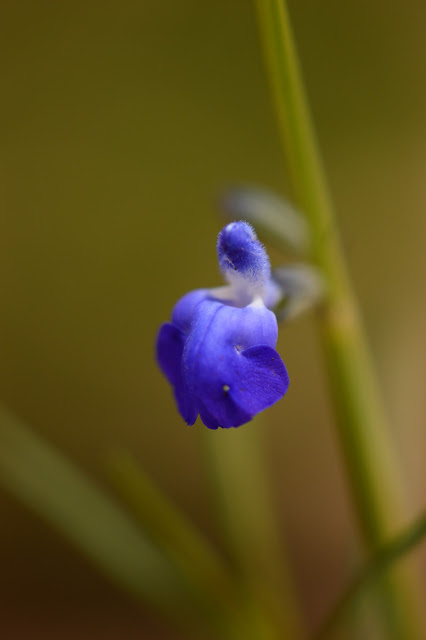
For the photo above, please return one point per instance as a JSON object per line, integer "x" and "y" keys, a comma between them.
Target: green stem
{"x": 386, "y": 557}
{"x": 246, "y": 515}
{"x": 367, "y": 451}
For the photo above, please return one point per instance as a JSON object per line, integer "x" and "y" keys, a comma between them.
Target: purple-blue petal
{"x": 170, "y": 345}
{"x": 221, "y": 360}
{"x": 231, "y": 367}
{"x": 184, "y": 309}
{"x": 239, "y": 250}
{"x": 262, "y": 370}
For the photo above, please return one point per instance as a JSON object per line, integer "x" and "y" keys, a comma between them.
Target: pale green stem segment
{"x": 69, "y": 501}
{"x": 383, "y": 560}
{"x": 246, "y": 516}
{"x": 370, "y": 462}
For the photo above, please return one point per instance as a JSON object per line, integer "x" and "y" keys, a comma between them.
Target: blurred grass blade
{"x": 274, "y": 218}
{"x": 388, "y": 554}
{"x": 181, "y": 542}
{"x": 51, "y": 486}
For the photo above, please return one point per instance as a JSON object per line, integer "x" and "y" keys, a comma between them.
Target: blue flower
{"x": 218, "y": 352}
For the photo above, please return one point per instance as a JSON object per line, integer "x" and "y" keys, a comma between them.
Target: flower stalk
{"x": 368, "y": 456}
{"x": 246, "y": 517}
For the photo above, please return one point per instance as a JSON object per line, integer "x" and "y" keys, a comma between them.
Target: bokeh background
{"x": 121, "y": 124}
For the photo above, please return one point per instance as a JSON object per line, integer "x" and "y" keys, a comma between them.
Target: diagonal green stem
{"x": 362, "y": 428}
{"x": 386, "y": 556}
{"x": 64, "y": 496}
{"x": 182, "y": 543}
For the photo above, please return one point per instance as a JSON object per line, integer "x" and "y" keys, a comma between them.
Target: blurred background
{"x": 121, "y": 125}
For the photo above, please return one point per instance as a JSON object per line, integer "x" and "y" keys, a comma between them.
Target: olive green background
{"x": 121, "y": 125}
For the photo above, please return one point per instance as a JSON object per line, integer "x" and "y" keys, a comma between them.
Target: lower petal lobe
{"x": 262, "y": 379}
